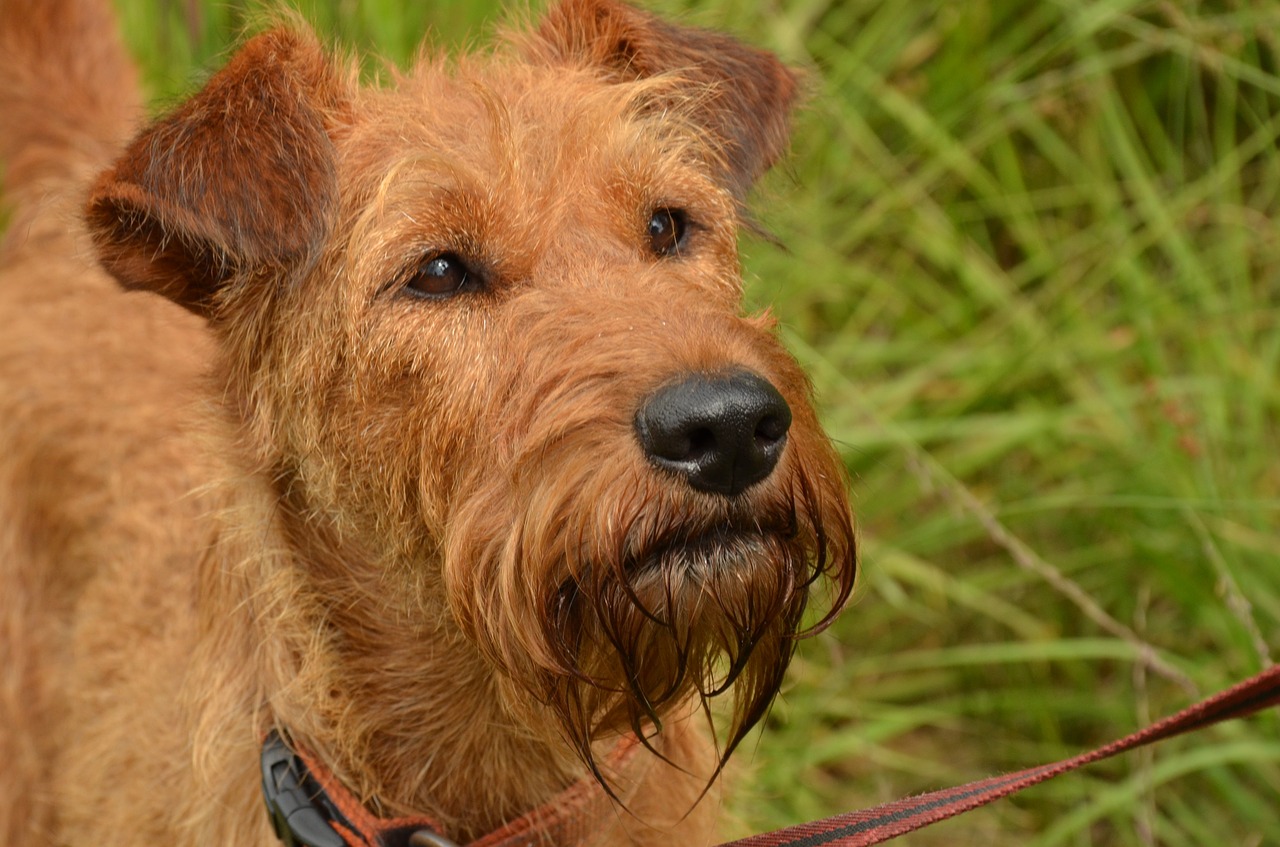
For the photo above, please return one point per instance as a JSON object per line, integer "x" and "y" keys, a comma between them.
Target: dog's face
{"x": 486, "y": 323}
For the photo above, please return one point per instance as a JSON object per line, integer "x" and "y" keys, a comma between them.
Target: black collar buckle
{"x": 302, "y": 812}
{"x": 291, "y": 797}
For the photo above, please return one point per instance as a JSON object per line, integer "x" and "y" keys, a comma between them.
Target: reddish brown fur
{"x": 419, "y": 535}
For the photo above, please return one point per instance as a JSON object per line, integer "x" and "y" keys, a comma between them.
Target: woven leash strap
{"x": 877, "y": 825}
{"x": 310, "y": 807}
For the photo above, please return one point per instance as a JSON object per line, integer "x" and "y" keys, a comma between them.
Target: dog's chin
{"x": 694, "y": 616}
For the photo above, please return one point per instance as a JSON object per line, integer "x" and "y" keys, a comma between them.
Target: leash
{"x": 882, "y": 823}
{"x": 311, "y": 808}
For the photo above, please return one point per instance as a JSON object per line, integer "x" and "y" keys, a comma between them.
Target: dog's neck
{"x": 375, "y": 680}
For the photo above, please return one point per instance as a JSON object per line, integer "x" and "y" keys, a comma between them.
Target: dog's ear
{"x": 236, "y": 182}
{"x": 745, "y": 97}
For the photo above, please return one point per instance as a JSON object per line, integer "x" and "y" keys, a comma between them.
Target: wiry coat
{"x": 414, "y": 531}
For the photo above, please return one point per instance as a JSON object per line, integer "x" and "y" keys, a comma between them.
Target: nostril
{"x": 669, "y": 439}
{"x": 771, "y": 429}
{"x": 722, "y": 433}
{"x": 702, "y": 441}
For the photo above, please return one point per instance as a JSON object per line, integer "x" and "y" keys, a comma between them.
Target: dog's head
{"x": 485, "y": 325}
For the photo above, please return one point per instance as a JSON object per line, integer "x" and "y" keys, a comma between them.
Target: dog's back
{"x": 93, "y": 385}
{"x": 68, "y": 92}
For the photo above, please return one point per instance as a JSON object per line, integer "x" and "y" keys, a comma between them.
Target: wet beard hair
{"x": 701, "y": 616}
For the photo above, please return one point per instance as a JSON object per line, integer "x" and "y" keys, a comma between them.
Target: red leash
{"x": 877, "y": 825}
{"x": 310, "y": 808}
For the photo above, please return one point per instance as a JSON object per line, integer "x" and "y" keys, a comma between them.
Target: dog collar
{"x": 309, "y": 807}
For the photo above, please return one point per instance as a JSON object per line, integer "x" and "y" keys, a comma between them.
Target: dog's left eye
{"x": 667, "y": 231}
{"x": 440, "y": 277}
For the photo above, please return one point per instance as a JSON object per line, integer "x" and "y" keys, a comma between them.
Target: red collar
{"x": 309, "y": 807}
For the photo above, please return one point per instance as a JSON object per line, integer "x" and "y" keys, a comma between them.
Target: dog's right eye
{"x": 440, "y": 277}
{"x": 667, "y": 230}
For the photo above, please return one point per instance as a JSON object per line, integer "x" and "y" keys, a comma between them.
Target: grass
{"x": 1032, "y": 262}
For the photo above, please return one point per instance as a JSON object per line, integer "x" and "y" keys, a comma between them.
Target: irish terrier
{"x": 444, "y": 484}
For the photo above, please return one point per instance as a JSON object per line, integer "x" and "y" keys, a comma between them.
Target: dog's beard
{"x": 615, "y": 606}
{"x": 698, "y": 617}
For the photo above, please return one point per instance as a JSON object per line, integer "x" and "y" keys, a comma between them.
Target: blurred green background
{"x": 1029, "y": 254}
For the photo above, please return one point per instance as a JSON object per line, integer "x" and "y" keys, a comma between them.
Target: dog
{"x": 399, "y": 455}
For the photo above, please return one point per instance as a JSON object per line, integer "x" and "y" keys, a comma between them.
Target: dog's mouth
{"x": 739, "y": 578}
{"x": 699, "y": 560}
{"x": 717, "y": 553}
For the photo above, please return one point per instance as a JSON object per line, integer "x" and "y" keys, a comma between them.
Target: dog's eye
{"x": 667, "y": 231}
{"x": 440, "y": 277}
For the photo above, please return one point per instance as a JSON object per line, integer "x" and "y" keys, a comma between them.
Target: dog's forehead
{"x": 527, "y": 169}
{"x": 523, "y": 127}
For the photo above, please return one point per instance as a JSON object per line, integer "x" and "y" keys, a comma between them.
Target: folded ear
{"x": 746, "y": 94}
{"x": 238, "y": 181}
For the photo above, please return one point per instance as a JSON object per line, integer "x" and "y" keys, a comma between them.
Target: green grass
{"x": 1033, "y": 265}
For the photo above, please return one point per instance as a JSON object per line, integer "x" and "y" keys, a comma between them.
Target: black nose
{"x": 722, "y": 433}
